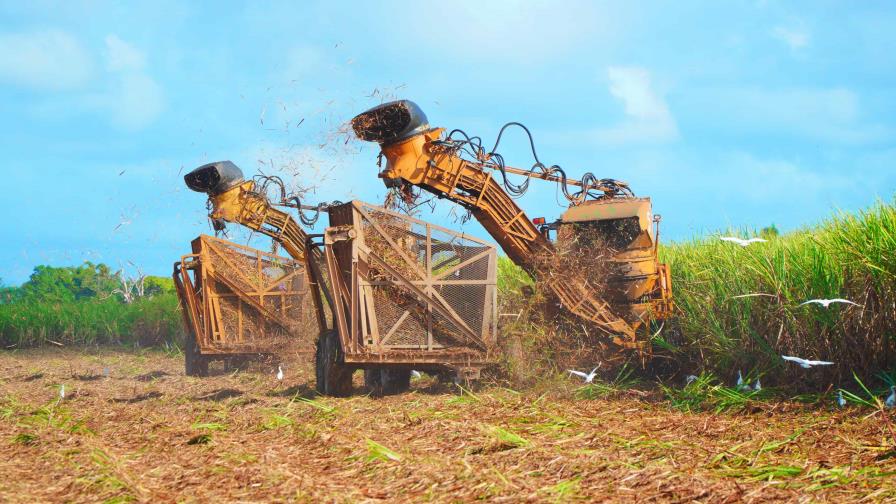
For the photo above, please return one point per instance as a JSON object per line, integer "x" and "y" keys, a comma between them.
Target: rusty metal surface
{"x": 238, "y": 300}
{"x": 611, "y": 208}
{"x": 243, "y": 205}
{"x": 620, "y": 303}
{"x": 409, "y": 291}
{"x": 422, "y": 161}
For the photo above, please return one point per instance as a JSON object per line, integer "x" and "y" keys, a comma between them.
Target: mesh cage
{"x": 254, "y": 301}
{"x": 326, "y": 290}
{"x": 420, "y": 287}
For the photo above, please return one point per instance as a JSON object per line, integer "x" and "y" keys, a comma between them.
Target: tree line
{"x": 88, "y": 281}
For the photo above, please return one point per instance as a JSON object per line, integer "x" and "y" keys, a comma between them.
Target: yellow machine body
{"x": 642, "y": 282}
{"x": 419, "y": 157}
{"x": 395, "y": 293}
{"x": 240, "y": 204}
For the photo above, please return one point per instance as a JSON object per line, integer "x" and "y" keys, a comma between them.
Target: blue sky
{"x": 728, "y": 114}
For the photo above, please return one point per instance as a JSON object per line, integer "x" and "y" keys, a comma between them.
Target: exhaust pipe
{"x": 214, "y": 178}
{"x": 390, "y": 123}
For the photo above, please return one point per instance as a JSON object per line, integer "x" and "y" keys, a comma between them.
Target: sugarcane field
{"x": 465, "y": 252}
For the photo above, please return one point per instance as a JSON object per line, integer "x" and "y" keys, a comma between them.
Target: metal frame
{"x": 424, "y": 160}
{"x": 351, "y": 261}
{"x": 207, "y": 279}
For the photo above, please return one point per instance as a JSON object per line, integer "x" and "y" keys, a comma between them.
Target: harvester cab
{"x": 628, "y": 228}
{"x": 620, "y": 294}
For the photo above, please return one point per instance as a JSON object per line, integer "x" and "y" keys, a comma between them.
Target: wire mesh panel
{"x": 253, "y": 301}
{"x": 417, "y": 286}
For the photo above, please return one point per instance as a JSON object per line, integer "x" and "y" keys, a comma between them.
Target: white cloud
{"x": 45, "y": 59}
{"x": 747, "y": 189}
{"x": 648, "y": 118}
{"x": 632, "y": 86}
{"x": 700, "y": 191}
{"x": 136, "y": 100}
{"x": 773, "y": 180}
{"x": 121, "y": 56}
{"x": 516, "y": 31}
{"x": 795, "y": 37}
{"x": 830, "y": 114}
{"x": 133, "y": 99}
{"x": 125, "y": 93}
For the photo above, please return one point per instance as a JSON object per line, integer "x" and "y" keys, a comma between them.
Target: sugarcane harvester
{"x": 454, "y": 166}
{"x": 238, "y": 302}
{"x": 391, "y": 293}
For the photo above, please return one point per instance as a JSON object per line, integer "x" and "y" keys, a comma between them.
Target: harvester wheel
{"x": 382, "y": 381}
{"x": 195, "y": 364}
{"x": 334, "y": 378}
{"x": 238, "y": 363}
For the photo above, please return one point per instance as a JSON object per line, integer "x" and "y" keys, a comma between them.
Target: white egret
{"x": 827, "y": 302}
{"x": 588, "y": 377}
{"x": 741, "y": 241}
{"x": 806, "y": 363}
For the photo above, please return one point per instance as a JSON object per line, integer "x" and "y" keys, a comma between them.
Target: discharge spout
{"x": 390, "y": 123}
{"x": 214, "y": 178}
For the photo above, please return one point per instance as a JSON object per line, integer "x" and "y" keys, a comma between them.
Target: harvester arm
{"x": 416, "y": 155}
{"x": 236, "y": 200}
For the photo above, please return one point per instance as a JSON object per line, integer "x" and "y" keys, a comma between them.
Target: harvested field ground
{"x": 148, "y": 433}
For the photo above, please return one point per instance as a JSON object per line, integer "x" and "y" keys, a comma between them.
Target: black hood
{"x": 390, "y": 122}
{"x": 214, "y": 178}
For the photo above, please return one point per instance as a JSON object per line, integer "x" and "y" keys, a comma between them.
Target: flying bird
{"x": 279, "y": 373}
{"x": 840, "y": 400}
{"x": 806, "y": 363}
{"x": 741, "y": 241}
{"x": 827, "y": 302}
{"x": 589, "y": 377}
{"x": 891, "y": 399}
{"x": 124, "y": 222}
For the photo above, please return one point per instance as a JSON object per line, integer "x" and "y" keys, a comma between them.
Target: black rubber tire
{"x": 334, "y": 378}
{"x": 447, "y": 377}
{"x": 195, "y": 364}
{"x": 386, "y": 381}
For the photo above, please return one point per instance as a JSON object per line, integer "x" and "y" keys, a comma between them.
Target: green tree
{"x": 8, "y": 293}
{"x": 51, "y": 284}
{"x": 769, "y": 232}
{"x": 154, "y": 285}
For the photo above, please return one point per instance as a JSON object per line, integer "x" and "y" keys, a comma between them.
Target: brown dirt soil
{"x": 147, "y": 433}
